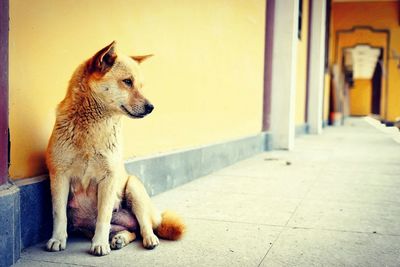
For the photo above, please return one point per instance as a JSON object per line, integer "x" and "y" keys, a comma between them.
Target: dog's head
{"x": 116, "y": 81}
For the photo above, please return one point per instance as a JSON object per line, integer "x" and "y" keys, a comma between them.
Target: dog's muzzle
{"x": 148, "y": 108}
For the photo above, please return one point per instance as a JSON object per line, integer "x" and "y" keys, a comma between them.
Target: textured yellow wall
{"x": 302, "y": 68}
{"x": 360, "y": 97}
{"x": 206, "y": 79}
{"x": 327, "y": 82}
{"x": 385, "y": 16}
{"x": 393, "y": 112}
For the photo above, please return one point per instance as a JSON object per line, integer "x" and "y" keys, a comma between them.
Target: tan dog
{"x": 84, "y": 158}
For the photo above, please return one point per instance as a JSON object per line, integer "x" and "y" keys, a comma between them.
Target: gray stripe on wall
{"x": 166, "y": 171}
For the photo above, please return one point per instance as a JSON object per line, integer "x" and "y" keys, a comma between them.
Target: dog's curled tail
{"x": 171, "y": 227}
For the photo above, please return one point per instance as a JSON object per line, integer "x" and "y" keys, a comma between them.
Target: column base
{"x": 10, "y": 230}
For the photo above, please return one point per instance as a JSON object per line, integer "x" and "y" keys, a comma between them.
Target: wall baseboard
{"x": 163, "y": 172}
{"x": 36, "y": 210}
{"x": 10, "y": 222}
{"x": 159, "y": 173}
{"x": 301, "y": 129}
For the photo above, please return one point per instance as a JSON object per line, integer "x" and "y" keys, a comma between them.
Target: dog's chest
{"x": 89, "y": 153}
{"x": 102, "y": 137}
{"x": 90, "y": 166}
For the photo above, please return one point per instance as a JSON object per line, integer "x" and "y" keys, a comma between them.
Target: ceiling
{"x": 362, "y": 59}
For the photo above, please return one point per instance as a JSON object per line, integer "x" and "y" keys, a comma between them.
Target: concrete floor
{"x": 332, "y": 201}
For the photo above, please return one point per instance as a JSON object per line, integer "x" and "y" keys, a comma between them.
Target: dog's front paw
{"x": 150, "y": 241}
{"x": 56, "y": 244}
{"x": 100, "y": 249}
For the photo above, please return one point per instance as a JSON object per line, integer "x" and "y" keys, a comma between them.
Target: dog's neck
{"x": 81, "y": 103}
{"x": 89, "y": 107}
{"x": 84, "y": 109}
{"x": 80, "y": 118}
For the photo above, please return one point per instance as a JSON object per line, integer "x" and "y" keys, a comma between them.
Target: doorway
{"x": 377, "y": 86}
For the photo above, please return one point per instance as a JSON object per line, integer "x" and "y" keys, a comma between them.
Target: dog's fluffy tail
{"x": 171, "y": 227}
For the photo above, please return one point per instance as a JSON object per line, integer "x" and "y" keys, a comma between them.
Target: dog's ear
{"x": 103, "y": 60}
{"x": 140, "y": 59}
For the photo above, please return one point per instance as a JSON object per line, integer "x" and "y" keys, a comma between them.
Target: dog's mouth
{"x": 130, "y": 114}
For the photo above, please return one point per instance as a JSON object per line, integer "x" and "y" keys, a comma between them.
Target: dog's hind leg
{"x": 121, "y": 239}
{"x": 59, "y": 193}
{"x": 146, "y": 214}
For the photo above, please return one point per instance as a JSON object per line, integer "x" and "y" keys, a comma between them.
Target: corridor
{"x": 332, "y": 201}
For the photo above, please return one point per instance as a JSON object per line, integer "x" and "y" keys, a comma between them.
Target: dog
{"x": 90, "y": 188}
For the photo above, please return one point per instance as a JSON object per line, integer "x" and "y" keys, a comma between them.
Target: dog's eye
{"x": 128, "y": 82}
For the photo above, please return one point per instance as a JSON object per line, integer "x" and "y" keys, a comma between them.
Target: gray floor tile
{"x": 284, "y": 187}
{"x": 305, "y": 247}
{"x": 246, "y": 208}
{"x": 207, "y": 243}
{"x": 270, "y": 165}
{"x": 348, "y": 192}
{"x": 375, "y": 177}
{"x": 348, "y": 216}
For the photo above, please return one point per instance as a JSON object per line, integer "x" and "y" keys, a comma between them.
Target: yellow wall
{"x": 394, "y": 79}
{"x": 385, "y": 16}
{"x": 206, "y": 79}
{"x": 302, "y": 68}
{"x": 360, "y": 97}
{"x": 327, "y": 83}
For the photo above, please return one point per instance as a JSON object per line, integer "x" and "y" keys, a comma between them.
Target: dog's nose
{"x": 148, "y": 108}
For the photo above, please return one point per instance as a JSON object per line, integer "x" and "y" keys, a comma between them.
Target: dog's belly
{"x": 82, "y": 211}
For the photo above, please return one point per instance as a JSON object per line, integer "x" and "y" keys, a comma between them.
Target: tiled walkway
{"x": 332, "y": 201}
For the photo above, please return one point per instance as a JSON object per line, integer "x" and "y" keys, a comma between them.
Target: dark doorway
{"x": 377, "y": 86}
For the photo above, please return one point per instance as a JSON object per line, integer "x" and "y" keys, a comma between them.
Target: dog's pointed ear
{"x": 103, "y": 60}
{"x": 140, "y": 59}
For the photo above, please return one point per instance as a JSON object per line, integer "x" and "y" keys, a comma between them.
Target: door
{"x": 376, "y": 87}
